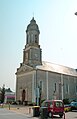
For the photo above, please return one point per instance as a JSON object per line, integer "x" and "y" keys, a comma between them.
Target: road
{"x": 68, "y": 115}
{"x": 8, "y": 114}
{"x": 71, "y": 115}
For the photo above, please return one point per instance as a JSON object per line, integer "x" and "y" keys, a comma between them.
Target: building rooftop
{"x": 47, "y": 66}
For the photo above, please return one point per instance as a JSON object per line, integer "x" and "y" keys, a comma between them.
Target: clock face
{"x": 36, "y": 55}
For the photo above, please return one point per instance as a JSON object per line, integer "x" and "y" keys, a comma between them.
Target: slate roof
{"x": 47, "y": 66}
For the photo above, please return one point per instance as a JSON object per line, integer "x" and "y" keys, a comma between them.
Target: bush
{"x": 66, "y": 101}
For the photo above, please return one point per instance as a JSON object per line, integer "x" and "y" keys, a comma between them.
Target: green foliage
{"x": 8, "y": 90}
{"x": 66, "y": 101}
{"x": 42, "y": 100}
{"x": 2, "y": 94}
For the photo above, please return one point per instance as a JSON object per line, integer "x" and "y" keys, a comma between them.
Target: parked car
{"x": 14, "y": 103}
{"x": 54, "y": 107}
{"x": 67, "y": 108}
{"x": 2, "y": 104}
{"x": 73, "y": 105}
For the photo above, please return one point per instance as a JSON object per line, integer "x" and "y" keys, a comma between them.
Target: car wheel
{"x": 61, "y": 115}
{"x": 49, "y": 114}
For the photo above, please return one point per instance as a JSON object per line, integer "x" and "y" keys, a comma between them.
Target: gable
{"x": 23, "y": 69}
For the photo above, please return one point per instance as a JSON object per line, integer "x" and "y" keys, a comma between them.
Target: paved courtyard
{"x": 28, "y": 112}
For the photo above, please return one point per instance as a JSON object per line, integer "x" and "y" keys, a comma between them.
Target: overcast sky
{"x": 58, "y": 33}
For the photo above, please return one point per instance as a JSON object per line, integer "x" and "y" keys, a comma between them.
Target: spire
{"x": 33, "y": 26}
{"x": 33, "y": 21}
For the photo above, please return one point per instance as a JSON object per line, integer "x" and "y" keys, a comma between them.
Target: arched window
{"x": 36, "y": 39}
{"x": 23, "y": 95}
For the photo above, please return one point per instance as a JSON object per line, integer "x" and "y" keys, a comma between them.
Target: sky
{"x": 58, "y": 34}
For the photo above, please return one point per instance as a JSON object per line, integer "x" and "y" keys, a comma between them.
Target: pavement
{"x": 21, "y": 109}
{"x": 27, "y": 110}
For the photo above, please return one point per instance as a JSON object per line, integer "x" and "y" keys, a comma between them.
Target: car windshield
{"x": 73, "y": 103}
{"x": 44, "y": 104}
{"x": 58, "y": 104}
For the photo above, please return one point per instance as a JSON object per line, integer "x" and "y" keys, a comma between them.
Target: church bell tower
{"x": 32, "y": 54}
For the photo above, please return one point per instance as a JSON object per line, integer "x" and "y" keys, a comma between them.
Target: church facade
{"x": 39, "y": 80}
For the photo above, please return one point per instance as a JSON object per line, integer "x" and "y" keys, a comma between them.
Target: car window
{"x": 51, "y": 105}
{"x": 73, "y": 104}
{"x": 44, "y": 104}
{"x": 58, "y": 104}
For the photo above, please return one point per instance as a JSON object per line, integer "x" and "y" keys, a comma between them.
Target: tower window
{"x": 27, "y": 39}
{"x": 36, "y": 39}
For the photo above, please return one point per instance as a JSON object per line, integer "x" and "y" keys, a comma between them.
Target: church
{"x": 37, "y": 80}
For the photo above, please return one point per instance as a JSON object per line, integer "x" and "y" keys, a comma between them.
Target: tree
{"x": 3, "y": 94}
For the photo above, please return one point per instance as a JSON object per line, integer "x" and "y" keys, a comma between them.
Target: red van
{"x": 55, "y": 107}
